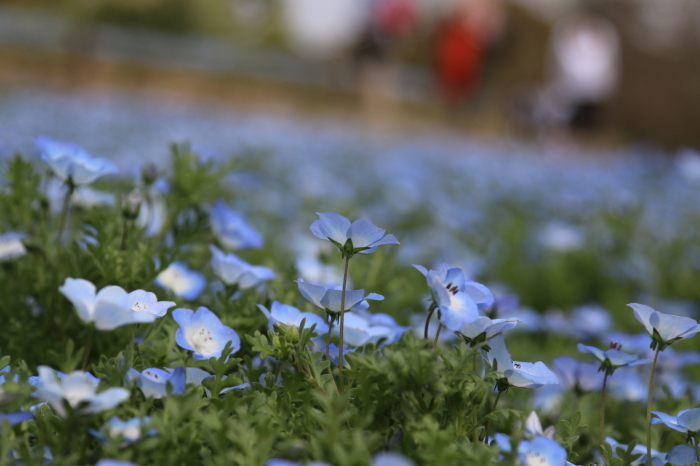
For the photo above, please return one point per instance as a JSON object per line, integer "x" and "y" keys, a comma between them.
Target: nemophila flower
{"x": 86, "y": 197}
{"x": 329, "y": 298}
{"x": 111, "y": 462}
{"x": 389, "y": 458}
{"x": 182, "y": 281}
{"x": 15, "y": 418}
{"x": 612, "y": 358}
{"x": 203, "y": 333}
{"x": 682, "y": 455}
{"x": 664, "y": 329}
{"x": 76, "y": 388}
{"x": 111, "y": 307}
{"x": 533, "y": 427}
{"x": 71, "y": 163}
{"x": 638, "y": 449}
{"x": 483, "y": 329}
{"x": 582, "y": 377}
{"x": 541, "y": 452}
{"x": 457, "y": 300}
{"x": 628, "y": 386}
{"x": 11, "y": 246}
{"x": 129, "y": 431}
{"x": 234, "y": 271}
{"x": 687, "y": 420}
{"x": 154, "y": 382}
{"x": 516, "y": 373}
{"x": 231, "y": 228}
{"x": 393, "y": 329}
{"x": 359, "y": 331}
{"x": 360, "y": 237}
{"x": 291, "y": 316}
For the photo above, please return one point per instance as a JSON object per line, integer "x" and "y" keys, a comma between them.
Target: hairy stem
{"x": 649, "y": 393}
{"x": 437, "y": 336}
{"x": 488, "y": 422}
{"x": 66, "y": 207}
{"x": 602, "y": 409}
{"x": 431, "y": 310}
{"x": 342, "y": 324}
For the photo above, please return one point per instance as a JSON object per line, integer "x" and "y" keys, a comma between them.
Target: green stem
{"x": 132, "y": 346}
{"x": 602, "y": 409}
{"x": 342, "y": 324}
{"x": 328, "y": 342}
{"x": 86, "y": 350}
{"x": 431, "y": 310}
{"x": 437, "y": 336}
{"x": 488, "y": 423}
{"x": 649, "y": 393}
{"x": 66, "y": 206}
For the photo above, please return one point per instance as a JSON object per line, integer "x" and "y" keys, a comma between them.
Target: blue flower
{"x": 329, "y": 298}
{"x": 153, "y": 382}
{"x": 362, "y": 236}
{"x": 612, "y": 358}
{"x": 682, "y": 455}
{"x": 71, "y": 163}
{"x": 516, "y": 373}
{"x": 112, "y": 307}
{"x": 182, "y": 281}
{"x": 388, "y": 458}
{"x": 15, "y": 418}
{"x": 203, "y": 333}
{"x": 541, "y": 452}
{"x": 234, "y": 271}
{"x": 289, "y": 315}
{"x": 111, "y": 462}
{"x": 76, "y": 388}
{"x": 483, "y": 329}
{"x": 11, "y": 246}
{"x": 457, "y": 300}
{"x": 231, "y": 228}
{"x": 129, "y": 431}
{"x": 687, "y": 420}
{"x": 664, "y": 329}
{"x": 582, "y": 377}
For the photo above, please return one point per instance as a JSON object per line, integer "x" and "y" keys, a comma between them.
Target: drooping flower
{"x": 687, "y": 420}
{"x": 11, "y": 246}
{"x": 664, "y": 329}
{"x": 71, "y": 163}
{"x": 360, "y": 237}
{"x": 231, "y": 228}
{"x": 203, "y": 333}
{"x": 76, "y": 388}
{"x": 234, "y": 271}
{"x": 154, "y": 382}
{"x": 329, "y": 298}
{"x": 613, "y": 358}
{"x": 112, "y": 307}
{"x": 483, "y": 329}
{"x": 516, "y": 373}
{"x": 129, "y": 431}
{"x": 291, "y": 316}
{"x": 182, "y": 281}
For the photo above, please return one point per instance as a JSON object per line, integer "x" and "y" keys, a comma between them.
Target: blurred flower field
{"x": 159, "y": 302}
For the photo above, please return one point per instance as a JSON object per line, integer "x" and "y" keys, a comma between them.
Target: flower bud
{"x": 132, "y": 204}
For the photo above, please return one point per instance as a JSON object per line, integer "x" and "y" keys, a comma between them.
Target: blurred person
{"x": 584, "y": 70}
{"x": 461, "y": 44}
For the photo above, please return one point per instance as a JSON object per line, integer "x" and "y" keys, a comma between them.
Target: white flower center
{"x": 203, "y": 341}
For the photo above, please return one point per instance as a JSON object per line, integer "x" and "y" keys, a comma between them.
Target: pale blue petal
{"x": 374, "y": 296}
{"x": 182, "y": 341}
{"x": 598, "y": 353}
{"x": 643, "y": 313}
{"x": 481, "y": 295}
{"x": 682, "y": 455}
{"x": 364, "y": 233}
{"x": 313, "y": 293}
{"x": 498, "y": 354}
{"x": 690, "y": 418}
{"x": 331, "y": 299}
{"x": 543, "y": 451}
{"x": 671, "y": 326}
{"x": 333, "y": 226}
{"x": 82, "y": 294}
{"x": 421, "y": 269}
{"x": 108, "y": 399}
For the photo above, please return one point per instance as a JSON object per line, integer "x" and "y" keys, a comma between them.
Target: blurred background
{"x": 558, "y": 72}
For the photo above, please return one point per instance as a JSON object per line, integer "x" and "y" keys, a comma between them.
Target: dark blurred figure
{"x": 461, "y": 44}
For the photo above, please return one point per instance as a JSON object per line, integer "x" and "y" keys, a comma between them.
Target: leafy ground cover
{"x": 194, "y": 315}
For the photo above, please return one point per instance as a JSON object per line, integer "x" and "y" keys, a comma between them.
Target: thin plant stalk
{"x": 66, "y": 206}
{"x": 649, "y": 392}
{"x": 437, "y": 336}
{"x": 88, "y": 347}
{"x": 125, "y": 233}
{"x": 602, "y": 409}
{"x": 328, "y": 341}
{"x": 488, "y": 423}
{"x": 431, "y": 310}
{"x": 342, "y": 324}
